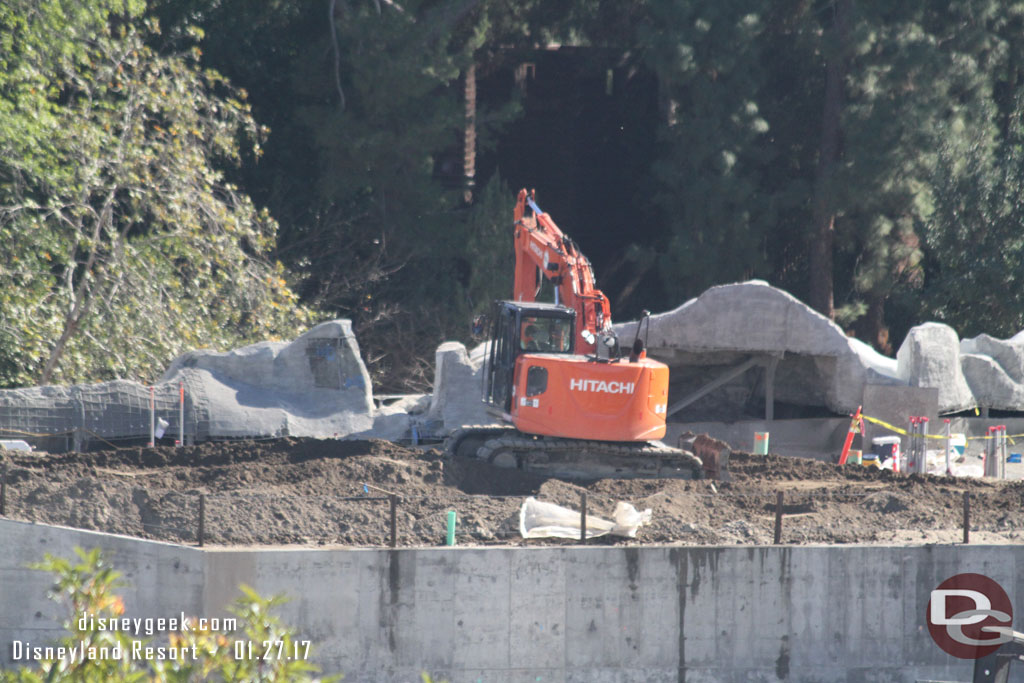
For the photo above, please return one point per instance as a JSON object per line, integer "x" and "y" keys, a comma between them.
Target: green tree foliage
{"x": 120, "y": 157}
{"x": 974, "y": 243}
{"x": 365, "y": 102}
{"x": 708, "y": 184}
{"x": 122, "y": 243}
{"x": 742, "y": 88}
{"x": 381, "y": 197}
{"x": 975, "y": 264}
{"x": 927, "y": 154}
{"x": 89, "y": 585}
{"x": 915, "y": 88}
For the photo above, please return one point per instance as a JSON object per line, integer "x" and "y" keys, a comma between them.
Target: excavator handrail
{"x": 533, "y": 205}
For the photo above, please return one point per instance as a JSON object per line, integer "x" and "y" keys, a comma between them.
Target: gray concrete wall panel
{"x": 511, "y": 615}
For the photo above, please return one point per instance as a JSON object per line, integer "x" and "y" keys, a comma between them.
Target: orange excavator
{"x": 571, "y": 402}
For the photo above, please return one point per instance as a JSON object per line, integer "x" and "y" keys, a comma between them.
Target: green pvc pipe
{"x": 450, "y": 540}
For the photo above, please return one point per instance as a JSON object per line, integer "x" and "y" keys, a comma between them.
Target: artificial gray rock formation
{"x": 818, "y": 365}
{"x": 930, "y": 357}
{"x": 815, "y": 363}
{"x": 994, "y": 369}
{"x": 1007, "y": 353}
{"x": 316, "y": 385}
{"x": 457, "y": 387}
{"x": 989, "y": 383}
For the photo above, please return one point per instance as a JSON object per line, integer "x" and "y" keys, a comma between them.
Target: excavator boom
{"x": 542, "y": 250}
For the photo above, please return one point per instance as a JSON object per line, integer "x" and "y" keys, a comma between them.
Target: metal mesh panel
{"x": 110, "y": 410}
{"x": 317, "y": 385}
{"x": 324, "y": 364}
{"x": 42, "y": 411}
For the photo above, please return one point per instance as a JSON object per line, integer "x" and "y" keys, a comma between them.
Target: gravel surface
{"x": 300, "y": 492}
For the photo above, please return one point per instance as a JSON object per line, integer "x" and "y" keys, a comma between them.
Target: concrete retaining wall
{"x": 815, "y": 438}
{"x": 590, "y": 614}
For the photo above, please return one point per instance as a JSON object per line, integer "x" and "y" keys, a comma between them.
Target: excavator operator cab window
{"x": 546, "y": 335}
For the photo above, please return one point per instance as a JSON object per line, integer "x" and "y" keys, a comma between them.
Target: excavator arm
{"x": 540, "y": 246}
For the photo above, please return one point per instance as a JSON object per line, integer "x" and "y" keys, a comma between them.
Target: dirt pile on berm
{"x": 307, "y": 492}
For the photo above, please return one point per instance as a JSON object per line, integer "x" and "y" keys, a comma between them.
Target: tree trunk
{"x": 824, "y": 218}
{"x": 70, "y": 327}
{"x": 83, "y": 292}
{"x": 871, "y": 327}
{"x": 469, "y": 141}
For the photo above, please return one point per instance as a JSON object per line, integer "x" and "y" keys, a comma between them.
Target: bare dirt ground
{"x": 300, "y": 492}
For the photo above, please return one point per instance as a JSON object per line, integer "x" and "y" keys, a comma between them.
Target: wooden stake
{"x": 778, "y": 517}
{"x": 202, "y": 519}
{"x": 3, "y": 491}
{"x": 181, "y": 414}
{"x": 967, "y": 517}
{"x": 393, "y": 504}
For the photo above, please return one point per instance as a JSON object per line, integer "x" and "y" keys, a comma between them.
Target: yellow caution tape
{"x": 17, "y": 432}
{"x": 1009, "y": 437}
{"x": 893, "y": 428}
{"x": 112, "y": 445}
{"x": 882, "y": 423}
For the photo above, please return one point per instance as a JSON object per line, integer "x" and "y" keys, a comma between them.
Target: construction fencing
{"x": 63, "y": 418}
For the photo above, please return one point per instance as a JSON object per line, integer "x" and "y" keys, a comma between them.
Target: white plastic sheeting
{"x": 538, "y": 519}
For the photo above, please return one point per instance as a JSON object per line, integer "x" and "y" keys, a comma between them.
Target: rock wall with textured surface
{"x": 818, "y": 363}
{"x": 315, "y": 385}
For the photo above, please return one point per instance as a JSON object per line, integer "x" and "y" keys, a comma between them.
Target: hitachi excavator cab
{"x": 520, "y": 328}
{"x": 534, "y": 379}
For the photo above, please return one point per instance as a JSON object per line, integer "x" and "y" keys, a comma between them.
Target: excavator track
{"x": 504, "y": 446}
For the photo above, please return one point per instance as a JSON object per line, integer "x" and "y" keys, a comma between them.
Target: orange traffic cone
{"x": 856, "y": 427}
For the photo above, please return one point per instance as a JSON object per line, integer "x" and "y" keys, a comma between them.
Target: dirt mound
{"x": 327, "y": 492}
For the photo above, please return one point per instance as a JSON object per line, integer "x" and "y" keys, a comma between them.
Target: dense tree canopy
{"x": 863, "y": 155}
{"x": 122, "y": 243}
